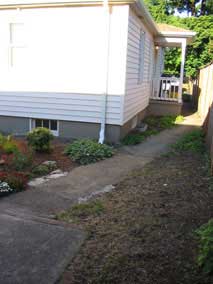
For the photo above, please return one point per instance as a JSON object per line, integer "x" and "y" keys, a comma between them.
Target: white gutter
{"x": 106, "y": 71}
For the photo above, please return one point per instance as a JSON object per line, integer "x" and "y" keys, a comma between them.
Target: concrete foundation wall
{"x": 14, "y": 125}
{"x": 71, "y": 129}
{"x": 164, "y": 108}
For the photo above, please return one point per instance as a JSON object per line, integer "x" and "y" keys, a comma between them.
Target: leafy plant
{"x": 41, "y": 170}
{"x": 82, "y": 210}
{"x": 135, "y": 137}
{"x": 21, "y": 161}
{"x": 205, "y": 236}
{"x": 193, "y": 141}
{"x": 16, "y": 180}
{"x": 40, "y": 138}
{"x": 86, "y": 151}
{"x": 9, "y": 147}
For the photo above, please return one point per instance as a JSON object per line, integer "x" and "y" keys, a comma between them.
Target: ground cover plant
{"x": 205, "y": 256}
{"x": 86, "y": 151}
{"x": 149, "y": 230}
{"x": 193, "y": 141}
{"x": 155, "y": 125}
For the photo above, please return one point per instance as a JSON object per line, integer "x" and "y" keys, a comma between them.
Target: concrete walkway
{"x": 35, "y": 248}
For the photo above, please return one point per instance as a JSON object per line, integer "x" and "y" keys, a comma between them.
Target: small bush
{"x": 193, "y": 141}
{"x": 40, "y": 138}
{"x": 82, "y": 210}
{"x": 205, "y": 236}
{"x": 41, "y": 170}
{"x": 16, "y": 180}
{"x": 3, "y": 139}
{"x": 86, "y": 151}
{"x": 21, "y": 161}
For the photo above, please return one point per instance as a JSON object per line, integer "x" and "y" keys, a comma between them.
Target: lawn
{"x": 145, "y": 230}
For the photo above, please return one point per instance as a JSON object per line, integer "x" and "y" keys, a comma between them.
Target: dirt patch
{"x": 146, "y": 231}
{"x": 63, "y": 162}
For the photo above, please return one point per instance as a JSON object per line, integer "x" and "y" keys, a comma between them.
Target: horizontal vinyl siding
{"x": 60, "y": 106}
{"x": 137, "y": 95}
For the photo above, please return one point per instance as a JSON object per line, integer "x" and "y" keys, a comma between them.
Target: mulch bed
{"x": 146, "y": 232}
{"x": 63, "y": 162}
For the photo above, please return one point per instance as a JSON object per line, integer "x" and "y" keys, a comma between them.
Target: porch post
{"x": 183, "y": 54}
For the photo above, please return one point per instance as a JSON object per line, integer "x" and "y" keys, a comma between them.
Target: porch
{"x": 167, "y": 89}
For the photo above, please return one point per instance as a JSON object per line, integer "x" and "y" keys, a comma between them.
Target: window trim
{"x": 54, "y": 132}
{"x": 14, "y": 45}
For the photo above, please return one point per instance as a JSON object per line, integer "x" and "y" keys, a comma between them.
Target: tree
{"x": 200, "y": 52}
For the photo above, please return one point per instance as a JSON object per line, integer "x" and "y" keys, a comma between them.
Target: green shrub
{"x": 3, "y": 139}
{"x": 21, "y": 161}
{"x": 205, "y": 236}
{"x": 82, "y": 210}
{"x": 41, "y": 170}
{"x": 40, "y": 138}
{"x": 193, "y": 141}
{"x": 86, "y": 151}
{"x": 9, "y": 147}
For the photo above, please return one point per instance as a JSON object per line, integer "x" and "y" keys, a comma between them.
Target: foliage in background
{"x": 200, "y": 52}
{"x": 205, "y": 257}
{"x": 86, "y": 151}
{"x": 40, "y": 138}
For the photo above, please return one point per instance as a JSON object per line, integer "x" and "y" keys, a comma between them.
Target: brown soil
{"x": 63, "y": 162}
{"x": 146, "y": 233}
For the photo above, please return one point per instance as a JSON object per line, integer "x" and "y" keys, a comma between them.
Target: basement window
{"x": 52, "y": 125}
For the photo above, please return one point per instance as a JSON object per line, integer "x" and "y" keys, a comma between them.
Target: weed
{"x": 205, "y": 256}
{"x": 155, "y": 125}
{"x": 193, "y": 141}
{"x": 82, "y": 210}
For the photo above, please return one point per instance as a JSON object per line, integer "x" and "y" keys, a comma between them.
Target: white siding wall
{"x": 62, "y": 75}
{"x": 137, "y": 94}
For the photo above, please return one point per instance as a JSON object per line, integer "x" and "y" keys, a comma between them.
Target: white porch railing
{"x": 166, "y": 89}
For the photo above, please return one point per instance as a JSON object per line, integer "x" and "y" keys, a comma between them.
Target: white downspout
{"x": 106, "y": 71}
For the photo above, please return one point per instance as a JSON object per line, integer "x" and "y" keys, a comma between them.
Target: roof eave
{"x": 178, "y": 34}
{"x": 144, "y": 14}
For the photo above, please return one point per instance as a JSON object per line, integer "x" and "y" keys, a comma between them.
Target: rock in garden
{"x": 50, "y": 164}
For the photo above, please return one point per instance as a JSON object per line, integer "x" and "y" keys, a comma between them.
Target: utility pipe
{"x": 106, "y": 16}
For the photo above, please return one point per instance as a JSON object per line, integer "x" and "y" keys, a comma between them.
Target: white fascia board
{"x": 178, "y": 34}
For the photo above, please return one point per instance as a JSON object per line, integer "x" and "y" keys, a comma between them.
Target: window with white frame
{"x": 17, "y": 46}
{"x": 141, "y": 57}
{"x": 52, "y": 125}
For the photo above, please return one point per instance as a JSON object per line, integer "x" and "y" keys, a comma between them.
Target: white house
{"x": 84, "y": 68}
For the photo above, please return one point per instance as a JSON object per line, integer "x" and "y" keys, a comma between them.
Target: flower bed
{"x": 20, "y": 162}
